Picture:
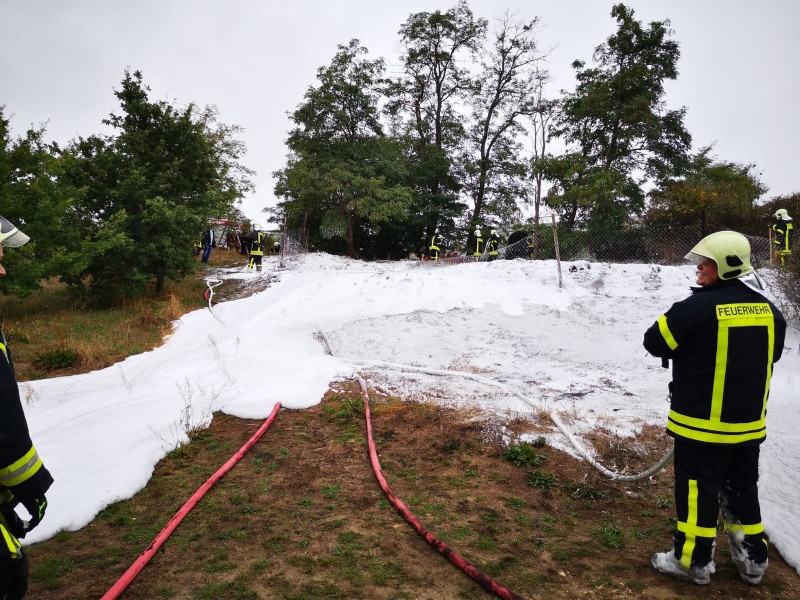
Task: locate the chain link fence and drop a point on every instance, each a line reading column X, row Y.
column 638, row 247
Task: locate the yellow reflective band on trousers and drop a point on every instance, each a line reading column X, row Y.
column 745, row 529
column 713, row 429
column 690, row 528
column 11, row 543
column 21, row 470
column 666, row 333
column 3, row 348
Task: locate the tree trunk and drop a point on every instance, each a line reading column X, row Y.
column 159, row 283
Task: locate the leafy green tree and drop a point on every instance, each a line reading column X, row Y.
column 342, row 171
column 146, row 192
column 618, row 131
column 505, row 96
column 423, row 105
column 31, row 198
column 712, row 194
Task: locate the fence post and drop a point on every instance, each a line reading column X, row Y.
column 769, row 237
column 283, row 243
column 555, row 242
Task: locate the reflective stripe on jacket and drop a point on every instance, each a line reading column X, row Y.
column 783, row 235
column 723, row 341
column 9, row 545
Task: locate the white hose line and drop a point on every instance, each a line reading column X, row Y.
column 558, row 423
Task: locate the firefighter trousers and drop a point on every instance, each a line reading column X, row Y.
column 708, row 478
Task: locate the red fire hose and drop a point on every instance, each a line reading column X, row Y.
column 129, row 575
column 487, row 582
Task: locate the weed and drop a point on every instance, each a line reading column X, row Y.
column 612, row 535
column 663, row 502
column 588, row 490
column 331, row 492
column 524, row 455
column 54, row 360
column 541, row 479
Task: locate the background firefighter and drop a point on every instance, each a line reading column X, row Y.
column 782, row 231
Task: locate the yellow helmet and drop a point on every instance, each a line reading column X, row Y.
column 729, row 249
column 781, row 213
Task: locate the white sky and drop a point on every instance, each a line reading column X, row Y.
column 254, row 60
column 575, row 350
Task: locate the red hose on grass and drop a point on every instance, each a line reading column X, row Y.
column 139, row 564
column 487, row 582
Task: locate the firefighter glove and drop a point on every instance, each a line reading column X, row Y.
column 36, row 508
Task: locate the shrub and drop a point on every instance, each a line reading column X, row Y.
column 56, row 359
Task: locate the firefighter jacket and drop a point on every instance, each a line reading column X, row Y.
column 478, row 246
column 22, row 472
column 783, row 235
column 723, row 341
column 493, row 245
column 257, row 247
column 436, row 242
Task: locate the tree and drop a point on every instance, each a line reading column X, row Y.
column 541, row 122
column 619, row 133
column 505, row 93
column 423, row 106
column 342, row 170
column 31, row 198
column 712, row 193
column 146, row 193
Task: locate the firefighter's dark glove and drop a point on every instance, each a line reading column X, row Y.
column 36, row 508
column 11, row 521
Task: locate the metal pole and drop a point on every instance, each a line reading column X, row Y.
column 771, row 247
column 558, row 254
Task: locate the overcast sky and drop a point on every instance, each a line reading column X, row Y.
column 254, row 59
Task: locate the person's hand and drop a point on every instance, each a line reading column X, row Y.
column 11, row 521
column 36, row 507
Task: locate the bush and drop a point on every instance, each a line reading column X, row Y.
column 56, row 359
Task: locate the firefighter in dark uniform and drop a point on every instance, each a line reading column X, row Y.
column 783, row 235
column 493, row 245
column 23, row 477
column 478, row 245
column 723, row 341
column 436, row 246
column 256, row 249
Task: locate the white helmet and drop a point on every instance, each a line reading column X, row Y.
column 477, row 232
column 782, row 213
column 494, row 232
column 729, row 249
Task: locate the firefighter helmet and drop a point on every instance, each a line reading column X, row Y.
column 729, row 249
column 494, row 232
column 781, row 213
column 10, row 236
column 477, row 232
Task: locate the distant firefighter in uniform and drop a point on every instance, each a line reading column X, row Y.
column 436, row 246
column 478, row 244
column 783, row 235
column 256, row 249
column 493, row 245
